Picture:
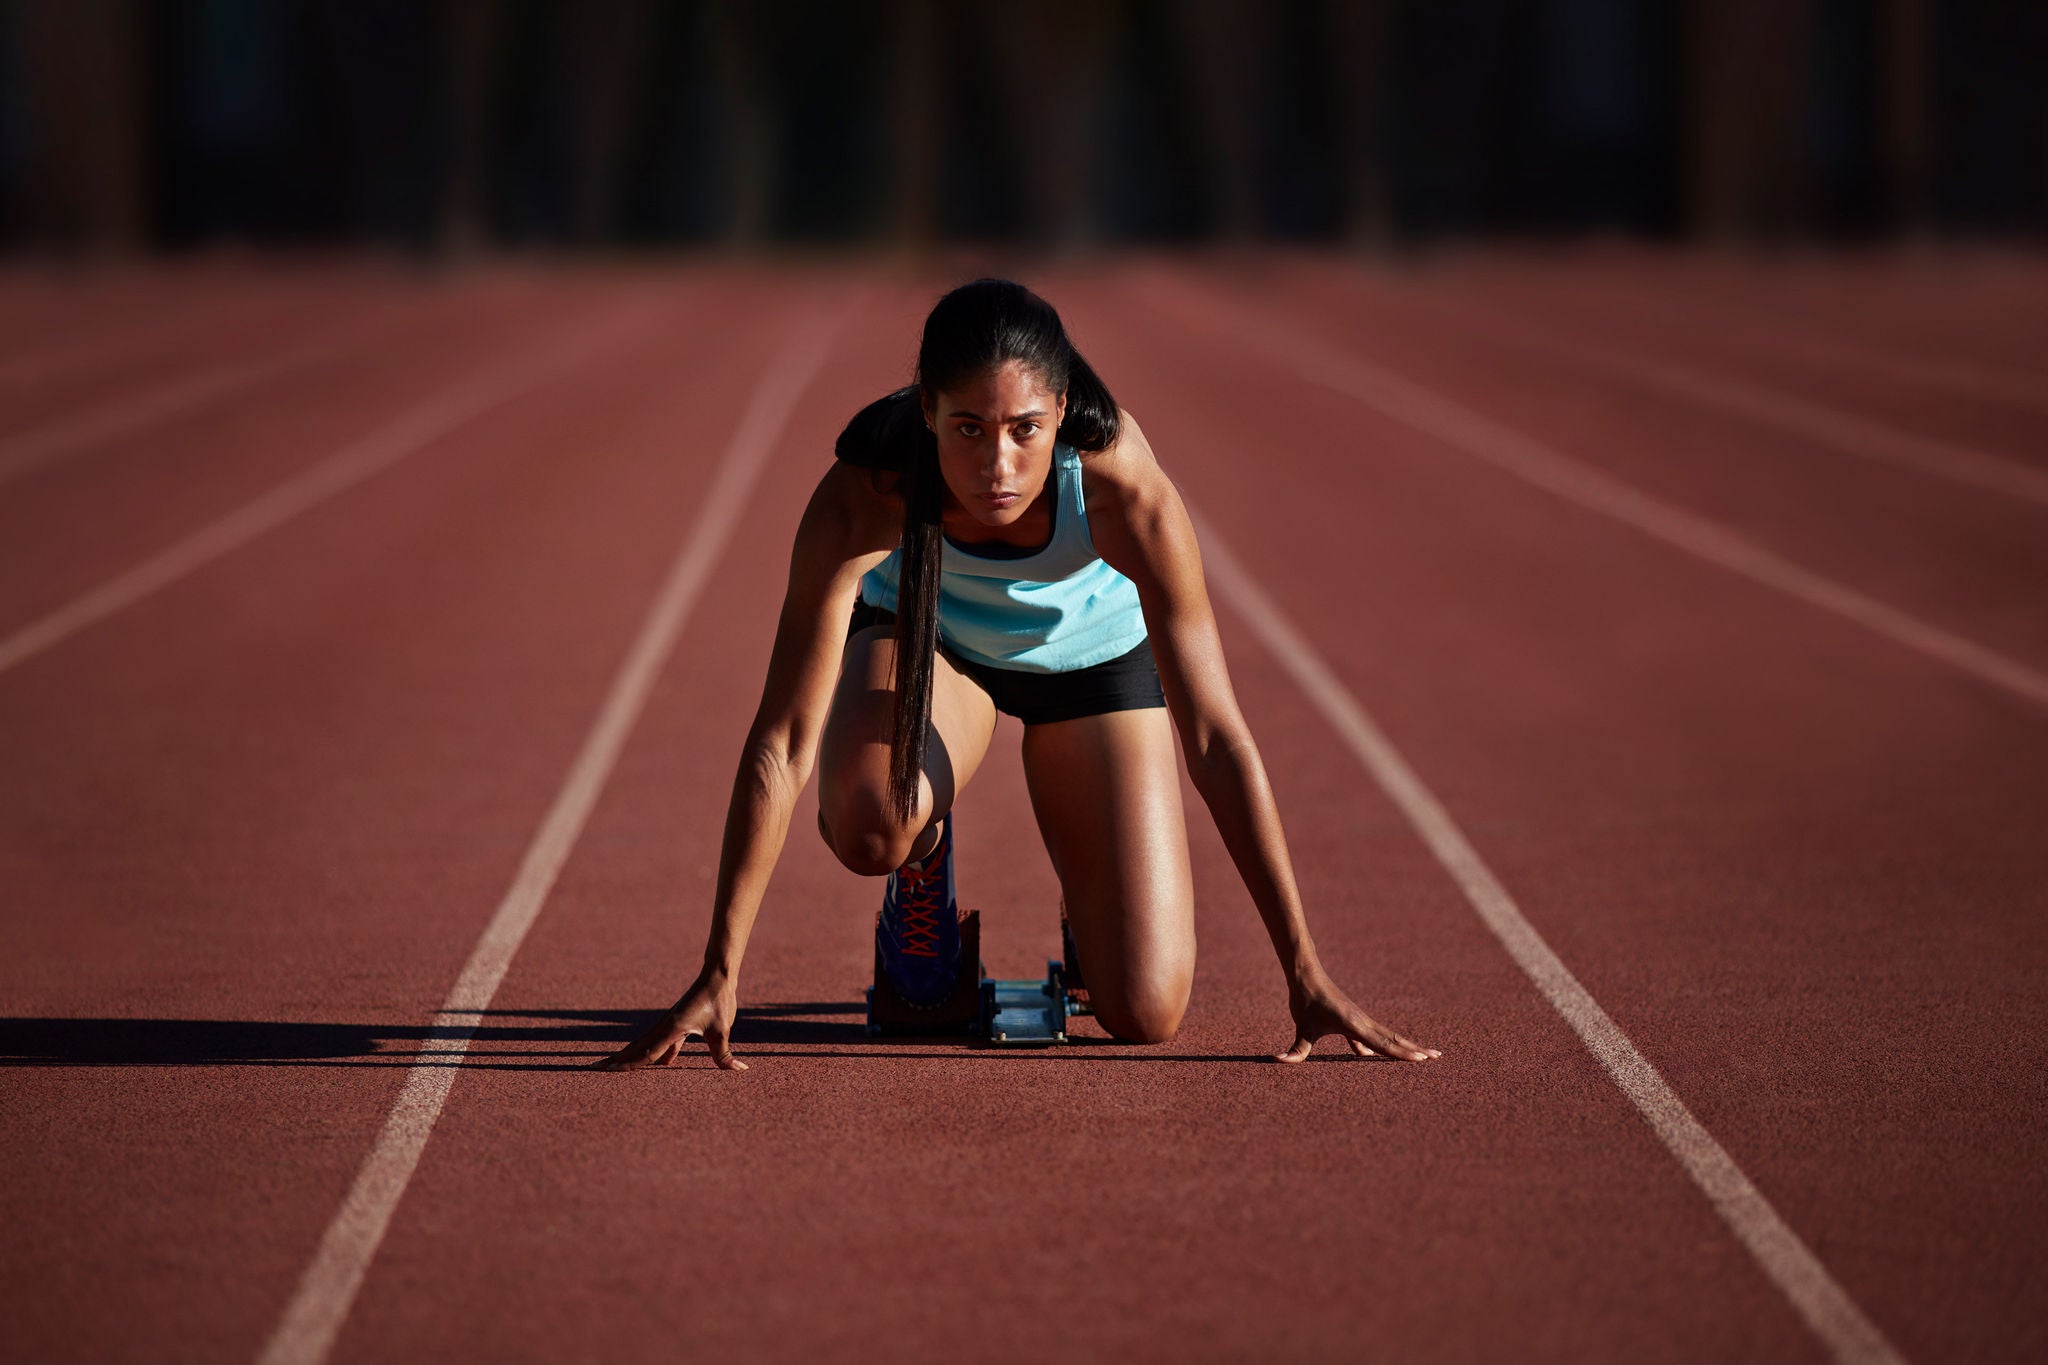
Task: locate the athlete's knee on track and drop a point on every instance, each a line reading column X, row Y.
column 865, row 841
column 873, row 855
column 1148, row 1012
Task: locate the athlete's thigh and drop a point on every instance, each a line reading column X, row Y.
column 853, row 755
column 1106, row 790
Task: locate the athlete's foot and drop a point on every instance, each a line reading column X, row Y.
column 918, row 932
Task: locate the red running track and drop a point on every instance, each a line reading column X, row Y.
column 256, row 820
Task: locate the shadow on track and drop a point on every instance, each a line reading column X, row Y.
column 783, row 1030
column 257, row 1042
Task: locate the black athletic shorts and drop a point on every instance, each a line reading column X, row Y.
column 1129, row 682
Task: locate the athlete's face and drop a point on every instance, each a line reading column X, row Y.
column 995, row 437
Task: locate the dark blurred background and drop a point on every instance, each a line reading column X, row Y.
column 454, row 125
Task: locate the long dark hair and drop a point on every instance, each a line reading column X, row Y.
column 970, row 331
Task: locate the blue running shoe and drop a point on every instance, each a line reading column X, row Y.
column 918, row 932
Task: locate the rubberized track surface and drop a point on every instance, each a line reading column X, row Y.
column 1556, row 526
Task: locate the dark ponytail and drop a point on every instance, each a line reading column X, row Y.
column 970, row 331
column 1091, row 421
column 917, row 622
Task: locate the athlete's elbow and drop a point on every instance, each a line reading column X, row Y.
column 1219, row 759
column 770, row 772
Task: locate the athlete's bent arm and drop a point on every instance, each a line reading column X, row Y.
column 1141, row 528
column 835, row 543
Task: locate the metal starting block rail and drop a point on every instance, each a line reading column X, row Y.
column 1026, row 1013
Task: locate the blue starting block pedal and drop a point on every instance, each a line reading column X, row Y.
column 1003, row 1013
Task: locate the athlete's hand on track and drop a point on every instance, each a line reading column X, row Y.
column 706, row 1011
column 1320, row 1009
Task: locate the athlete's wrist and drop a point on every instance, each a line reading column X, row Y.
column 1305, row 973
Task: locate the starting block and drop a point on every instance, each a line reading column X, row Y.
column 1025, row 1013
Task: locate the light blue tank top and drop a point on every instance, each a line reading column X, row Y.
column 1060, row 609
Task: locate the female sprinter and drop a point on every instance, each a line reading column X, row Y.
column 1002, row 540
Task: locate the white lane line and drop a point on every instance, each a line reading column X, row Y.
column 328, row 1288
column 102, row 422
column 409, row 432
column 1429, row 412
column 126, row 337
column 1798, row 1274
column 1983, row 382
column 1820, row 423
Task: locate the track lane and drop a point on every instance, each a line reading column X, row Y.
column 48, row 307
column 1689, row 786
column 414, row 428
column 1999, row 406
column 68, row 528
column 284, row 798
column 51, row 395
column 1964, row 560
column 1961, row 307
column 1833, row 1317
column 1548, row 317
column 327, row 1291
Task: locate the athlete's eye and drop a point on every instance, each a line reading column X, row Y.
column 969, row 429
column 1026, row 428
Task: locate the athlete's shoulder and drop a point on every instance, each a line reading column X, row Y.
column 875, row 447
column 851, row 509
column 1124, row 475
column 1133, row 506
column 881, row 435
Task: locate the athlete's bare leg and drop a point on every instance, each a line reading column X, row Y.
column 853, row 755
column 1106, row 790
